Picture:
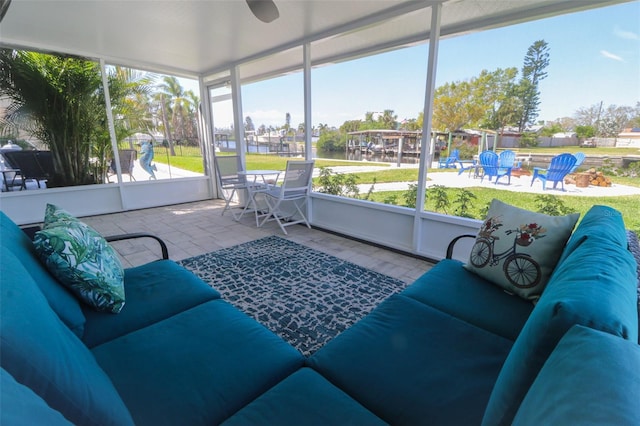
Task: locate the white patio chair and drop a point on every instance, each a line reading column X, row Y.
column 230, row 182
column 285, row 202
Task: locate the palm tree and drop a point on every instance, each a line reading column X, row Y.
column 174, row 103
column 193, row 117
column 60, row 100
column 57, row 99
column 389, row 119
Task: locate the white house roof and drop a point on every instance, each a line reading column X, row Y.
column 203, row 37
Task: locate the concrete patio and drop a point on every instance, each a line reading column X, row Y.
column 196, row 228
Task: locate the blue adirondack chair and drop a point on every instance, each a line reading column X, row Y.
column 560, row 166
column 490, row 163
column 451, row 161
column 507, row 159
column 579, row 160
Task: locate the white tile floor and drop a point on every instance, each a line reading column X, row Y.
column 197, row 228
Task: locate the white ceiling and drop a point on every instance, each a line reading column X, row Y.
column 201, row 37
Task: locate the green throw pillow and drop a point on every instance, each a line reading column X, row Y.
column 82, row 260
column 518, row 249
column 55, row 216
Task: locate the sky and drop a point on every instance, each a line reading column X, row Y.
column 594, row 57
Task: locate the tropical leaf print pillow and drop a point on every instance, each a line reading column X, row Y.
column 82, row 260
column 55, row 216
column 518, row 249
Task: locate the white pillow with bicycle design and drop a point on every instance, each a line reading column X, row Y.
column 518, row 249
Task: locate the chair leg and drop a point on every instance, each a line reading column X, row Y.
column 249, row 203
column 275, row 214
column 228, row 202
column 301, row 213
column 270, row 209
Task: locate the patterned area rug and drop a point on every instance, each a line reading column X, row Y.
column 305, row 296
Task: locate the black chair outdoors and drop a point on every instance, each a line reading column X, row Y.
column 33, row 165
column 128, row 159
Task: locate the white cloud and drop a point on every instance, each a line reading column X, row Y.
column 627, row 35
column 611, row 56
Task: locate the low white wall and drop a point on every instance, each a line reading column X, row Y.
column 392, row 226
column 437, row 230
column 26, row 207
column 140, row 195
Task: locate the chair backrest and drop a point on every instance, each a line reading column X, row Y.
column 560, row 166
column 488, row 159
column 297, row 178
column 507, row 159
column 579, row 160
column 227, row 168
column 127, row 159
column 32, row 164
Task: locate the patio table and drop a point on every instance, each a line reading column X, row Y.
column 263, row 180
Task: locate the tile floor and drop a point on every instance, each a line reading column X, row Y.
column 196, row 228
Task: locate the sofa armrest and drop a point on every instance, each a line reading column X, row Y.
column 163, row 246
column 453, row 243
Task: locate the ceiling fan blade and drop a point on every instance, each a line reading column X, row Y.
column 4, row 5
column 264, row 10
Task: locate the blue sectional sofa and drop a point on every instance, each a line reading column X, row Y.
column 451, row 348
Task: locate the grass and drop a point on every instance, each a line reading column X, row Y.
column 253, row 161
column 272, row 162
column 629, row 206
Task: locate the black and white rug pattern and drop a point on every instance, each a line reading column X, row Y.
column 305, row 296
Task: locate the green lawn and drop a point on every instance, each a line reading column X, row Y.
column 272, row 162
column 254, row 161
column 628, row 205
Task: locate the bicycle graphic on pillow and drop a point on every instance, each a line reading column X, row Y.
column 519, row 268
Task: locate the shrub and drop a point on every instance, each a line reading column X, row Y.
column 464, row 199
column 331, row 140
column 552, row 205
column 467, row 150
column 337, row 183
column 438, row 194
column 528, row 140
column 411, row 195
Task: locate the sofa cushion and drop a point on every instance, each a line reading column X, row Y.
column 155, row 291
column 595, row 287
column 603, row 221
column 634, row 248
column 412, row 364
column 304, row 398
column 590, row 378
column 452, row 289
column 20, row 406
column 39, row 351
column 518, row 249
column 81, row 259
column 198, row 367
column 65, row 304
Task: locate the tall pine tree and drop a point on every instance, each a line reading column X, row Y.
column 533, row 71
